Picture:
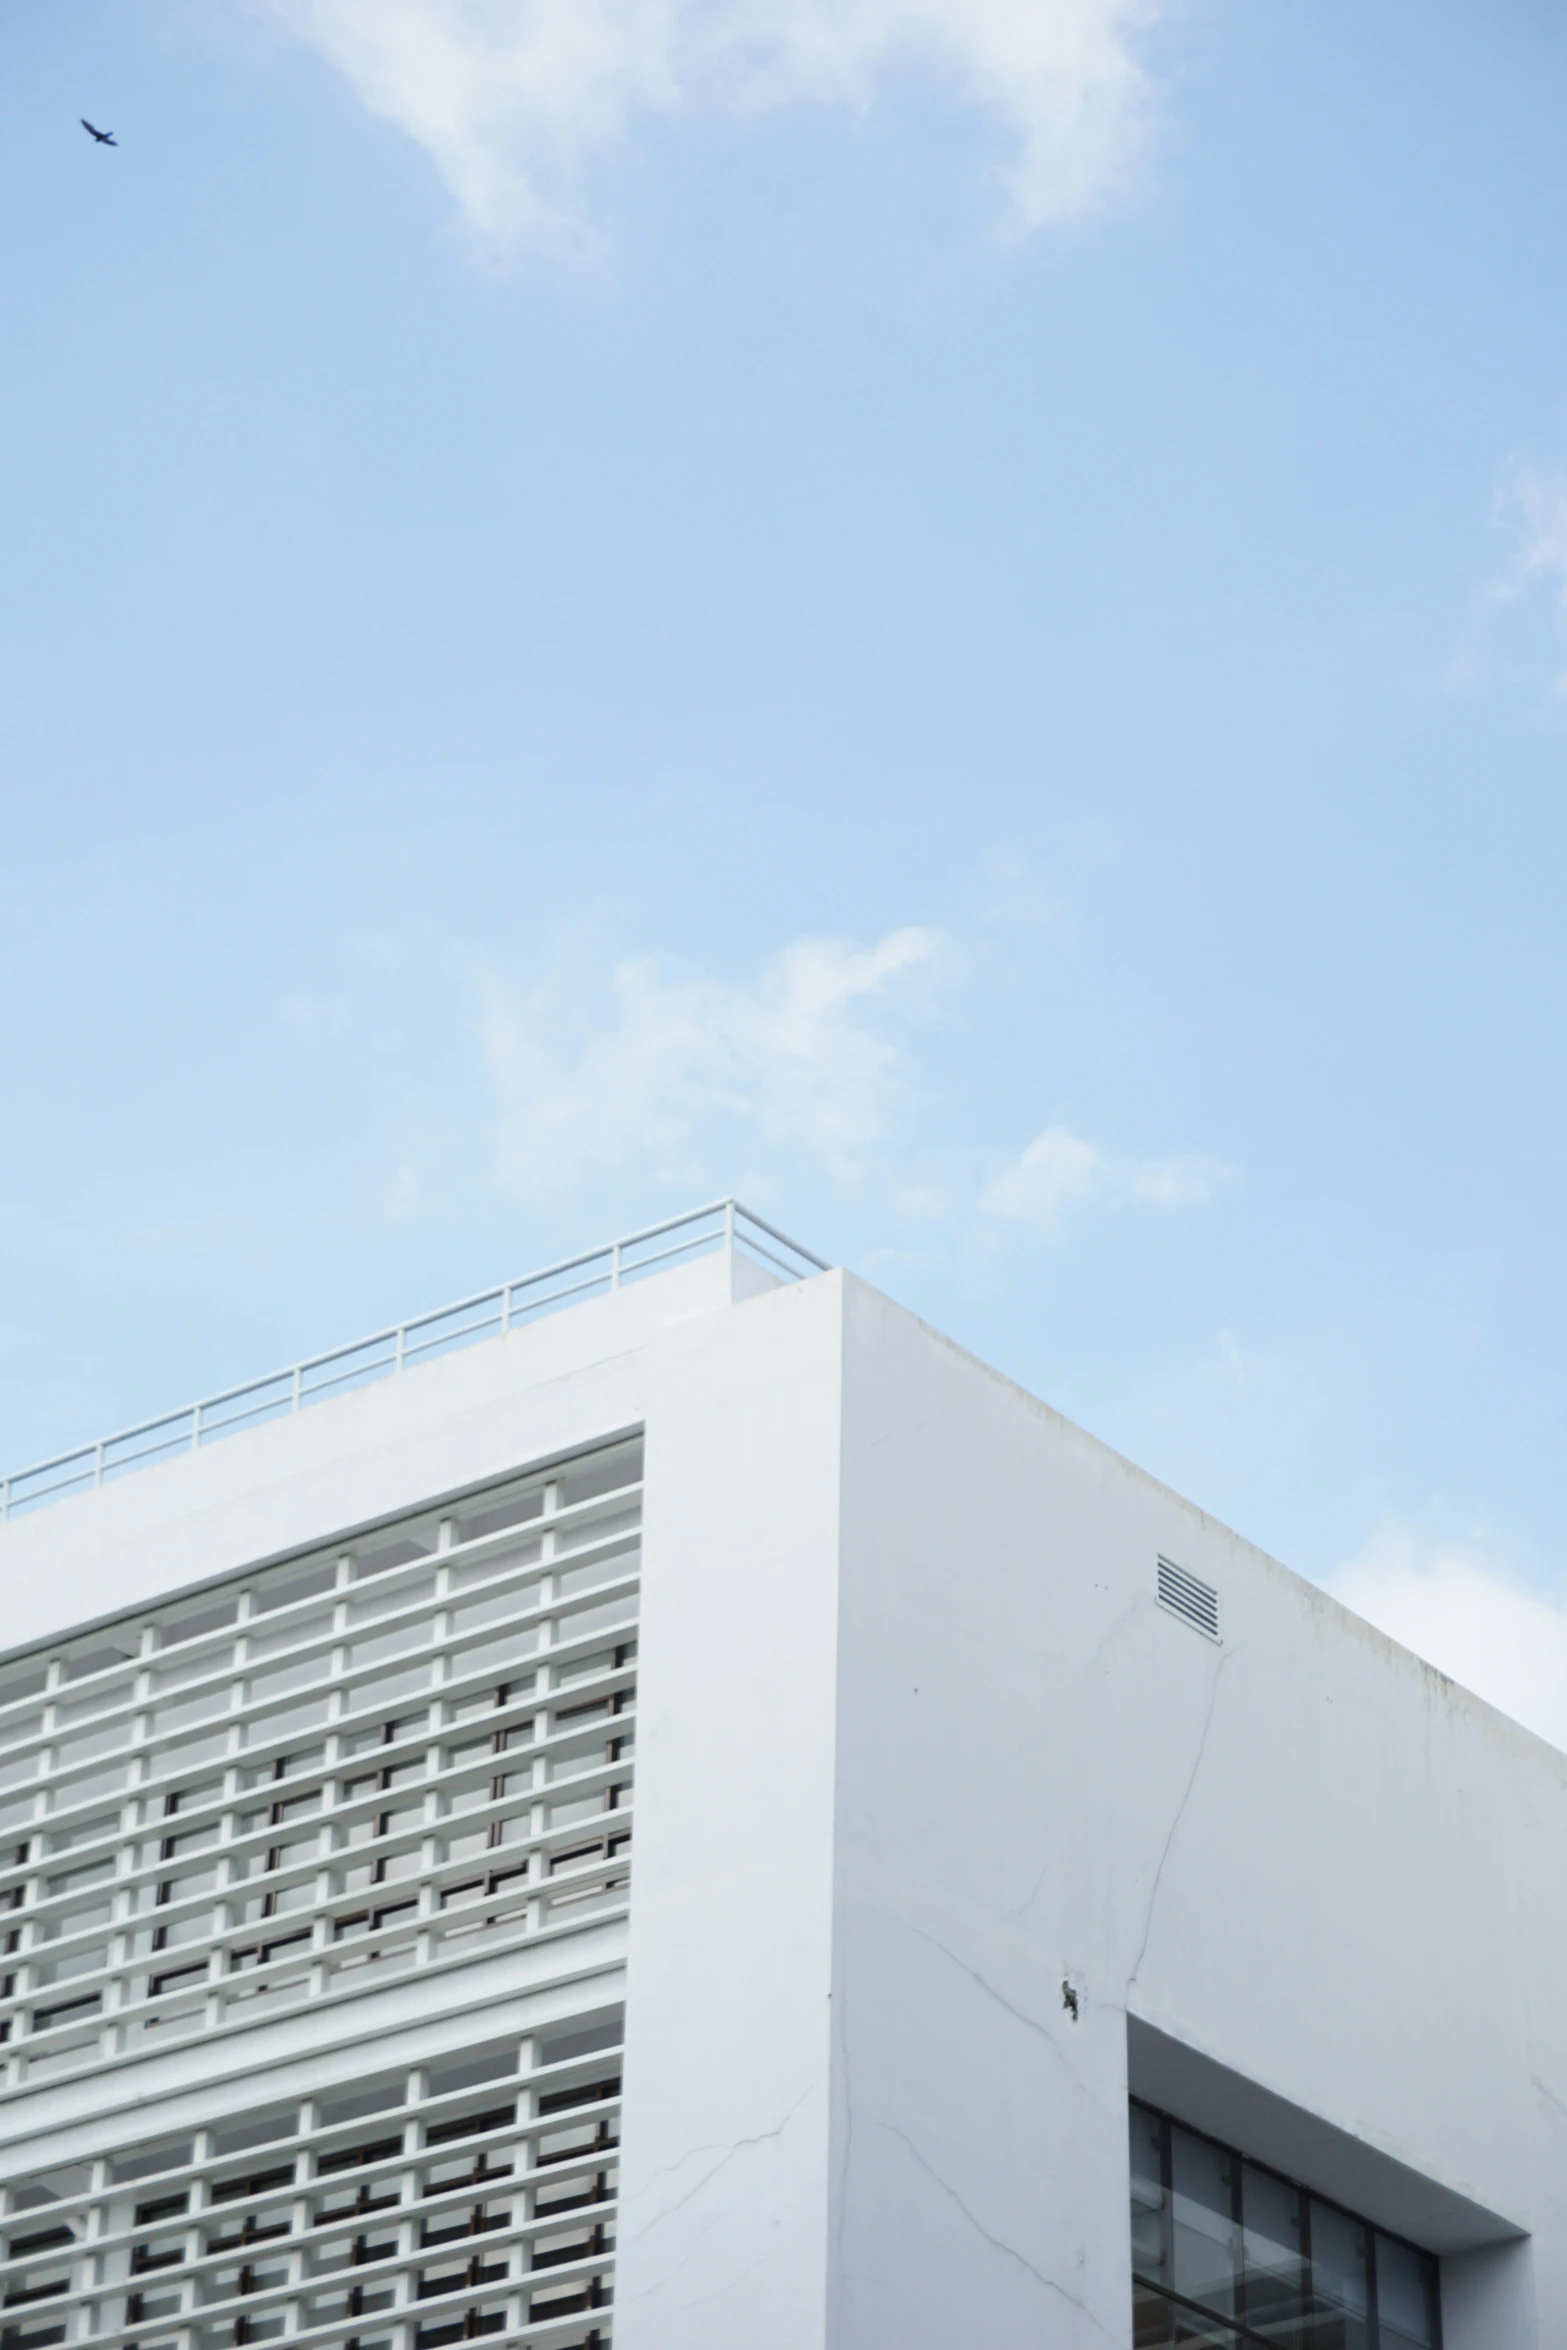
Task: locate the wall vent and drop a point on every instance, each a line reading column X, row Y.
column 1195, row 1602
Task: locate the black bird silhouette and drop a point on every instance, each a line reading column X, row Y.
column 104, row 138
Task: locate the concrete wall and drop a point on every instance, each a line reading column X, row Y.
column 1306, row 1859
column 723, row 2236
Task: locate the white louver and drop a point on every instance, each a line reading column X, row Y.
column 347, row 1799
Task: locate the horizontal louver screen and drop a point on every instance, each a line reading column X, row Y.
column 397, row 1757
column 1186, row 1596
column 401, row 2210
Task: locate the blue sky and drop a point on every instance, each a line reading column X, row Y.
column 951, row 614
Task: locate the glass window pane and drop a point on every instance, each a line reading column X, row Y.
column 1275, row 2268
column 1202, row 2333
column 1340, row 2292
column 1226, row 2255
column 1149, row 2225
column 1406, row 2280
column 1206, row 2239
column 1150, row 2319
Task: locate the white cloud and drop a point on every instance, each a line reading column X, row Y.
column 1532, row 507
column 1059, row 1171
column 514, row 100
column 1506, row 1644
column 1181, row 1183
column 663, row 1064
column 1531, row 510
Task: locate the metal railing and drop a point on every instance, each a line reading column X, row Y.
column 489, row 1314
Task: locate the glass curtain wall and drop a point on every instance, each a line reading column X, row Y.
column 1229, row 2256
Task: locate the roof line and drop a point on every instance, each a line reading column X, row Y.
column 488, row 1313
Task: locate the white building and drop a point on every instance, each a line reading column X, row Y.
column 1031, row 1882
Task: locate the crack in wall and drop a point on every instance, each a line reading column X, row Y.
column 997, row 2243
column 1180, row 1814
column 1123, row 1623
column 1549, row 2094
column 726, row 2152
column 1030, row 2023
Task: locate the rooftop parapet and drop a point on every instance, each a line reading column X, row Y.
column 490, row 1313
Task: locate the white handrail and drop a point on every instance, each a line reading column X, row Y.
column 723, row 1224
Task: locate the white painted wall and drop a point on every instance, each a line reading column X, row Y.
column 723, row 2234
column 1300, row 1854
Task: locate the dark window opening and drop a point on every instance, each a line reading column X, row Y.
column 602, row 2141
column 251, row 2233
column 177, row 1977
column 432, row 2283
column 49, row 2019
column 1228, row 2253
column 499, row 2117
column 163, row 2207
column 263, row 1953
column 592, row 2295
column 261, row 2182
column 584, row 2247
column 352, row 2157
column 593, row 2093
column 45, row 2240
column 578, row 2199
column 468, row 2328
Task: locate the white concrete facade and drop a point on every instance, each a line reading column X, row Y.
column 948, row 1836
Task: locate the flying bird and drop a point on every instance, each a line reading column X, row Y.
column 104, row 138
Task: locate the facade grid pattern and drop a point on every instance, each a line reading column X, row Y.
column 372, row 1764
column 284, row 1790
column 469, row 2197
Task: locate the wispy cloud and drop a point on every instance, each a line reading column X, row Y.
column 1060, row 1171
column 1187, row 1182
column 516, row 100
column 1530, row 511
column 663, row 1065
column 1531, row 506
column 579, row 1070
column 1473, row 1622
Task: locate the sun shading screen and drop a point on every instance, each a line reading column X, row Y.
column 474, row 2195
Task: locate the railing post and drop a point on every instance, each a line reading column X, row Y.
column 729, row 1226
column 97, row 1462
column 401, row 1332
column 195, row 1427
column 614, row 1266
column 299, row 1380
column 505, row 1309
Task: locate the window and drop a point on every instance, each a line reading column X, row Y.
column 1229, row 2256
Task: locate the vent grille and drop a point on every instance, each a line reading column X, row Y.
column 1186, row 1596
